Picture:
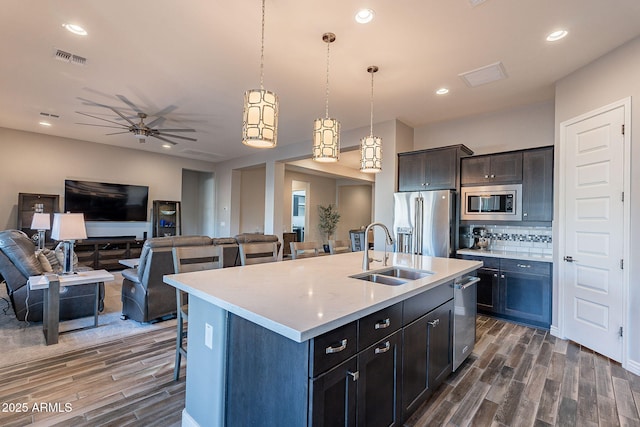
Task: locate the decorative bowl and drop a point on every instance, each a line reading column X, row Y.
column 167, row 212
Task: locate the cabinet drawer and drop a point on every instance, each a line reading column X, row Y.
column 378, row 325
column 423, row 303
column 532, row 267
column 333, row 347
column 488, row 262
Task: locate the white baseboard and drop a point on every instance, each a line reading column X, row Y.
column 555, row 332
column 633, row 367
column 187, row 420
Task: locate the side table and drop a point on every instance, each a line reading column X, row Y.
column 51, row 304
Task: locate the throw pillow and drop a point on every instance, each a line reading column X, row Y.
column 59, row 251
column 44, row 262
column 51, row 258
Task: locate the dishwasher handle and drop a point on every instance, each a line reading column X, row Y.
column 466, row 282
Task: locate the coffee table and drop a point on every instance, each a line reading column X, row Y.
column 51, row 304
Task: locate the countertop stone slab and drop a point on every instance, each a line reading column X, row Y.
column 301, row 299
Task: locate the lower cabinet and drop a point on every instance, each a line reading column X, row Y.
column 371, row 372
column 427, row 356
column 515, row 290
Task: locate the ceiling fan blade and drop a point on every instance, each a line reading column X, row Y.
column 93, row 103
column 156, row 121
column 164, row 139
column 102, row 126
column 175, row 136
column 100, row 118
column 174, row 130
column 116, row 133
column 133, row 106
column 123, row 116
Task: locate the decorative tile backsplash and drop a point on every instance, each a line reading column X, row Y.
column 533, row 240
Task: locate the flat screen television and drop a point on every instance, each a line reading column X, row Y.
column 101, row 201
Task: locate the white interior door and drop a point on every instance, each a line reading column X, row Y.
column 592, row 279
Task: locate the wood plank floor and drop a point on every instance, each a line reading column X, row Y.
column 517, row 376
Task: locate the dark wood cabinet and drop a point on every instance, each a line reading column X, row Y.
column 537, row 185
column 333, row 396
column 435, row 169
column 515, row 289
column 500, row 168
column 106, row 252
column 166, row 218
column 27, row 203
column 378, row 397
column 427, row 356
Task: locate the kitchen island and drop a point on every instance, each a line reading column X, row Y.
column 281, row 343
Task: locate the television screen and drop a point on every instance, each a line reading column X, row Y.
column 100, row 201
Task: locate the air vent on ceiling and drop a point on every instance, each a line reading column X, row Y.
column 50, row 115
column 475, row 3
column 201, row 154
column 63, row 56
column 483, row 75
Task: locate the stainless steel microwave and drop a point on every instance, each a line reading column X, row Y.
column 492, row 203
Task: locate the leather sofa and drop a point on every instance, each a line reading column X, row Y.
column 145, row 296
column 18, row 261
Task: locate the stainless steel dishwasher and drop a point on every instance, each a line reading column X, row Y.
column 464, row 317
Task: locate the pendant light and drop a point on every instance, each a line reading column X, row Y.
column 371, row 146
column 260, row 114
column 326, row 132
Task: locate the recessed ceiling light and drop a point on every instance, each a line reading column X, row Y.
column 557, row 35
column 167, row 146
column 364, row 16
column 47, row 124
column 75, row 29
column 442, row 91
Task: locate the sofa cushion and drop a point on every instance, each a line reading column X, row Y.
column 255, row 237
column 224, row 241
column 168, row 243
column 19, row 248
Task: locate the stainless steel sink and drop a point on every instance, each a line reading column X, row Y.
column 392, row 276
column 379, row 278
column 404, row 273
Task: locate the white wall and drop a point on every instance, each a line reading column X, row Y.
column 252, row 198
column 611, row 78
column 514, row 129
column 355, row 205
column 38, row 163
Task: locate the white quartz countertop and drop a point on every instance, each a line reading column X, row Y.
column 304, row 298
column 506, row 254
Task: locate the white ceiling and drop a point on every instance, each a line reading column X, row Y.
column 194, row 59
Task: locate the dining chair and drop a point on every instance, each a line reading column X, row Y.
column 187, row 259
column 303, row 249
column 258, row 252
column 339, row 246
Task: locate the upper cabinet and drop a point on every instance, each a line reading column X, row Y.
column 436, row 169
column 537, row 185
column 492, row 169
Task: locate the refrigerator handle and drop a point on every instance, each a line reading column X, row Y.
column 418, row 221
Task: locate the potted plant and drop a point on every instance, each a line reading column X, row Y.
column 328, row 222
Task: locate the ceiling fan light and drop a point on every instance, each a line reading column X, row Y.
column 260, row 118
column 75, row 29
column 326, row 140
column 371, row 154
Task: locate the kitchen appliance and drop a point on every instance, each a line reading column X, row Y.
column 423, row 222
column 481, row 238
column 492, row 203
column 464, row 317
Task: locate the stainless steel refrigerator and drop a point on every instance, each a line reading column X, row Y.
column 424, row 221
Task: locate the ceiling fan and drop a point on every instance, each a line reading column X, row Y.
column 140, row 130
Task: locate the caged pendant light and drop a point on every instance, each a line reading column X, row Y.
column 260, row 114
column 371, row 146
column 326, row 132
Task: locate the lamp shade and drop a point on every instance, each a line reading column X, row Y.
column 326, row 140
column 371, row 154
column 41, row 221
column 260, row 119
column 68, row 226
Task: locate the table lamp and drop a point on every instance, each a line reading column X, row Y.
column 68, row 227
column 41, row 222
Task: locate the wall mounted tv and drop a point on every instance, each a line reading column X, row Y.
column 101, row 201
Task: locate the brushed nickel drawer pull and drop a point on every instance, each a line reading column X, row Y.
column 342, row 346
column 383, row 324
column 524, row 265
column 384, row 349
column 354, row 375
column 434, row 323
